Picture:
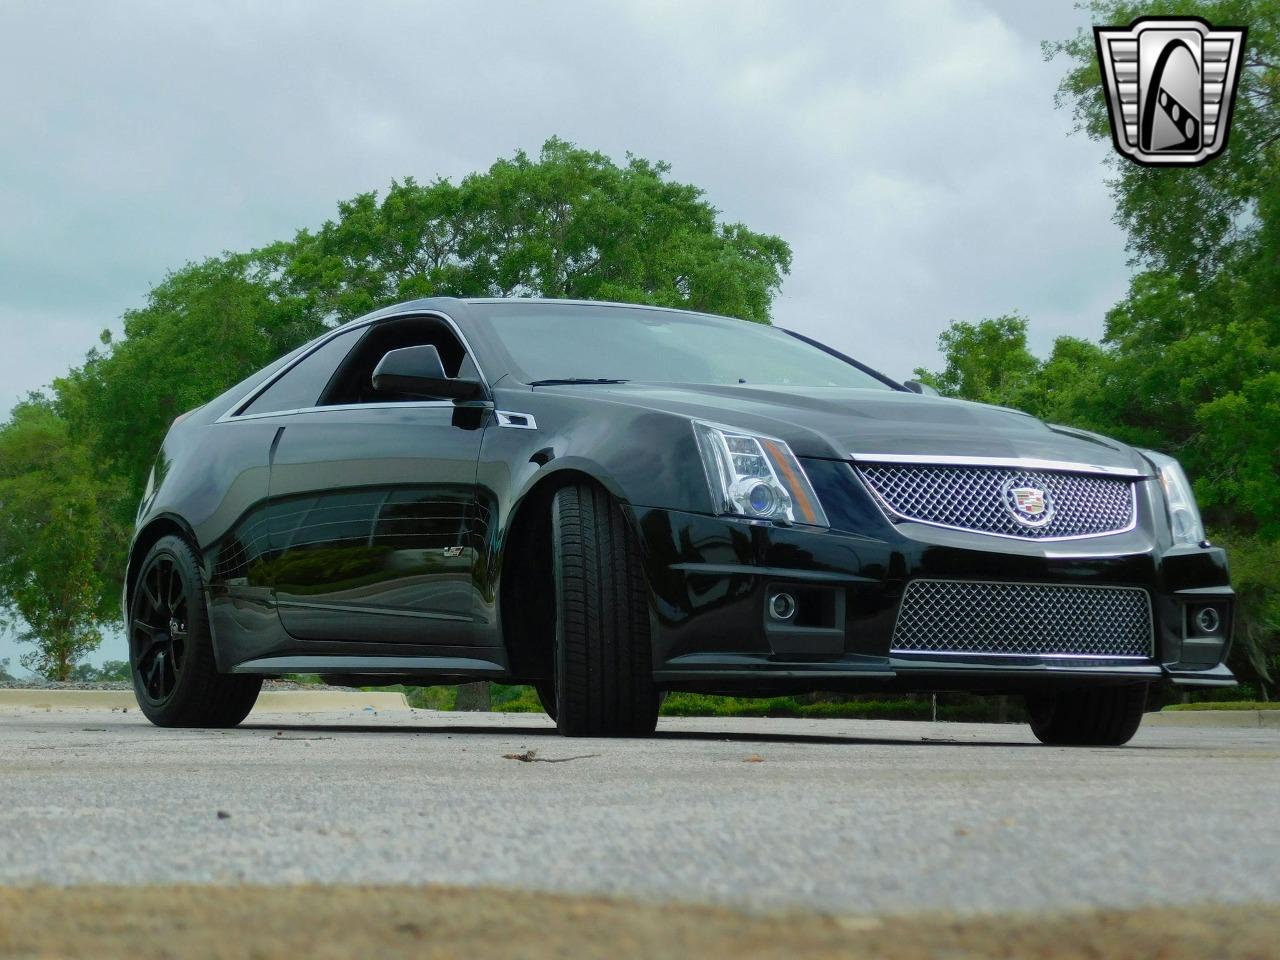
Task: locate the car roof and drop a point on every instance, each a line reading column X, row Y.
column 443, row 304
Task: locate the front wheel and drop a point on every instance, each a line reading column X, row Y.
column 1101, row 717
column 603, row 684
column 171, row 650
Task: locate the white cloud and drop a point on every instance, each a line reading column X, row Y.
column 910, row 154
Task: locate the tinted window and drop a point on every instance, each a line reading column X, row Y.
column 354, row 382
column 550, row 341
column 301, row 386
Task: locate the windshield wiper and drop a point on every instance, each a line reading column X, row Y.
column 564, row 380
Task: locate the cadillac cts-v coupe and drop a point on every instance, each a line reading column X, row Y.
column 610, row 502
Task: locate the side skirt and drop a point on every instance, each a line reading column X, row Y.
column 440, row 669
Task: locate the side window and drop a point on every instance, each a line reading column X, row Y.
column 353, row 383
column 302, row 385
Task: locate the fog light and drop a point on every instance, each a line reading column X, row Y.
column 782, row 606
column 1207, row 620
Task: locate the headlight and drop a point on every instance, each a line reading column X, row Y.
column 1184, row 515
column 756, row 476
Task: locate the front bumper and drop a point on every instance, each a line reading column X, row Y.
column 711, row 578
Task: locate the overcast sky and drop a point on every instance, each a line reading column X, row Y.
column 909, row 152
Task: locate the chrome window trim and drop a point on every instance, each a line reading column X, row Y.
column 1028, row 463
column 894, row 517
column 233, row 412
column 1151, row 623
column 406, row 405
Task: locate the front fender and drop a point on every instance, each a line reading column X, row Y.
column 642, row 457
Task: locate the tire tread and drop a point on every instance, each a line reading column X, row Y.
column 1102, row 717
column 603, row 661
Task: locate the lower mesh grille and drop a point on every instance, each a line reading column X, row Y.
column 1023, row 619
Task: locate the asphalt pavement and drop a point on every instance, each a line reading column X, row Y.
column 845, row 816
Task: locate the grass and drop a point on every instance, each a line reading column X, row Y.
column 507, row 698
column 904, row 708
column 1227, row 705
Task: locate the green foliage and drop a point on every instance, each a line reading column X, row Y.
column 1228, row 705
column 429, row 698
column 503, row 698
column 987, row 361
column 506, row 698
column 569, row 224
column 54, row 534
column 959, row 707
column 5, row 675
column 1255, row 576
column 111, row 671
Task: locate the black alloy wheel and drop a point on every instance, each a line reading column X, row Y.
column 158, row 632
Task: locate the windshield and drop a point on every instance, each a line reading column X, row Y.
column 560, row 342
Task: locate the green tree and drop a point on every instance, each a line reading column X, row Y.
column 986, row 361
column 5, row 675
column 570, row 223
column 53, row 530
column 110, row 671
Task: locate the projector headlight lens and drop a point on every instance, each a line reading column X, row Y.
column 756, row 476
column 1184, row 515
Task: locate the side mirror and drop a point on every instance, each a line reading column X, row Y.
column 915, row 386
column 418, row 372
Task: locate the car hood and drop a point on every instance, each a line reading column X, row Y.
column 840, row 422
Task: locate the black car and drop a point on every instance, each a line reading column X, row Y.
column 610, row 502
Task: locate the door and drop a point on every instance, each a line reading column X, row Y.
column 375, row 535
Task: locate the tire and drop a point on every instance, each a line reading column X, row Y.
column 546, row 691
column 603, row 675
column 171, row 649
column 1101, row 717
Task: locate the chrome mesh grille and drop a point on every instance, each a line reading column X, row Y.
column 1023, row 619
column 975, row 498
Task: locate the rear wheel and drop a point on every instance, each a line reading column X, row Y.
column 170, row 648
column 603, row 682
column 1101, row 717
